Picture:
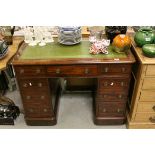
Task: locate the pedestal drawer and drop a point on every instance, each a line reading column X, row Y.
column 39, row 111
column 113, row 84
column 71, row 71
column 33, row 85
column 111, row 109
column 113, row 96
column 36, row 98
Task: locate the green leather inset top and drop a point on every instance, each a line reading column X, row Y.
column 56, row 51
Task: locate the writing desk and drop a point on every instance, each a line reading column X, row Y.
column 38, row 70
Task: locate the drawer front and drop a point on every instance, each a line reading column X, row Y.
column 39, row 111
column 36, row 98
column 115, row 68
column 72, row 70
column 115, row 96
column 149, row 83
column 150, row 71
column 112, row 83
column 147, row 96
column 145, row 117
column 27, row 71
column 146, row 107
column 111, row 109
column 33, row 85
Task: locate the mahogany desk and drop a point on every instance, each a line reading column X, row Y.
column 38, row 70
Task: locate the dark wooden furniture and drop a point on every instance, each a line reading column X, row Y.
column 38, row 78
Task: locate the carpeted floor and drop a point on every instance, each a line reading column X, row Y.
column 75, row 112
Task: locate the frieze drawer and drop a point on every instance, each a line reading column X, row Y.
column 74, row 70
column 28, row 71
column 113, row 68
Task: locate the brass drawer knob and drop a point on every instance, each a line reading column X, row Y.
column 28, row 97
column 123, row 69
column 40, row 84
column 86, row 71
column 25, row 85
column 38, row 71
column 31, row 110
column 57, row 71
column 152, row 119
column 104, row 110
column 45, row 110
column 122, row 84
column 42, row 97
column 106, row 69
column 119, row 110
column 21, row 71
column 104, row 96
column 120, row 96
column 105, row 83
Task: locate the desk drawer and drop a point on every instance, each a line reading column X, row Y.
column 150, row 71
column 111, row 109
column 113, row 83
column 33, row 85
column 34, row 71
column 147, row 96
column 115, row 68
column 111, row 96
column 38, row 111
column 146, row 107
column 149, row 83
column 72, row 70
column 36, row 98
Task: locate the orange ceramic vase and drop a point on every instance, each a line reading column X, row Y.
column 121, row 43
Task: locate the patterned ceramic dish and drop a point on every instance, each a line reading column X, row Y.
column 69, row 35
